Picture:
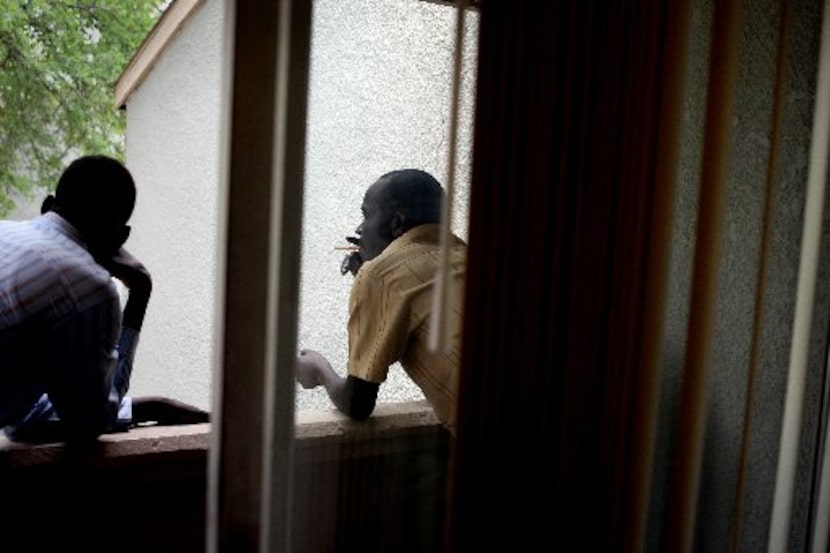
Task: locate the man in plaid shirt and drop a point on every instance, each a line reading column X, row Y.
column 66, row 347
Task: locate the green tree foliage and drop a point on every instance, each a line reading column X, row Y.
column 59, row 62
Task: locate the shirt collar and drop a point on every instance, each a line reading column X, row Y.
column 429, row 233
column 53, row 221
column 422, row 233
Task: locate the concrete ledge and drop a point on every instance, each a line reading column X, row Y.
column 135, row 443
column 314, row 429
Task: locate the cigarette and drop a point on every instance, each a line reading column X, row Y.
column 347, row 248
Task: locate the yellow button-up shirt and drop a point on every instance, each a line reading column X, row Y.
column 389, row 317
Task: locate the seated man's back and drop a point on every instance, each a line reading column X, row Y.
column 51, row 289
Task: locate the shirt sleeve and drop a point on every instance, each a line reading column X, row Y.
column 378, row 325
column 82, row 368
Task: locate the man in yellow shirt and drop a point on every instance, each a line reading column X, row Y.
column 391, row 300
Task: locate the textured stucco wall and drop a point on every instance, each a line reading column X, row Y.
column 379, row 100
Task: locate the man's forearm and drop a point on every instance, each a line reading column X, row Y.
column 352, row 396
column 134, row 311
column 131, row 322
column 132, row 273
column 335, row 387
column 127, row 344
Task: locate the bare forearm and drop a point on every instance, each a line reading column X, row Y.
column 352, row 396
column 130, row 271
column 135, row 309
column 335, row 387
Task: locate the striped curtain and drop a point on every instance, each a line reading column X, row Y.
column 582, row 119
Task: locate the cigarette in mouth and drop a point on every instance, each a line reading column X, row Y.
column 347, row 248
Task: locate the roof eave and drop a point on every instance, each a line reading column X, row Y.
column 163, row 32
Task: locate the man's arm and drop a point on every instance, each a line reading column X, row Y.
column 92, row 355
column 80, row 362
column 353, row 396
column 132, row 273
column 135, row 276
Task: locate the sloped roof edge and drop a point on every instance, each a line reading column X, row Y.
column 162, row 33
column 471, row 4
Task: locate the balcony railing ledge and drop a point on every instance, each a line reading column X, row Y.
column 315, row 429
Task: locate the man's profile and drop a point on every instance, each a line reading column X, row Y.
column 390, row 303
column 66, row 346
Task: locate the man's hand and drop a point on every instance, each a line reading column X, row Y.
column 352, row 396
column 129, row 270
column 310, row 368
column 352, row 262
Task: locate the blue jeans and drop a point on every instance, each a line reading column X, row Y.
column 43, row 415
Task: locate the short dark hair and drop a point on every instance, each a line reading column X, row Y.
column 415, row 193
column 96, row 187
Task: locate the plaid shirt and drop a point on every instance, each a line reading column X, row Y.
column 60, row 327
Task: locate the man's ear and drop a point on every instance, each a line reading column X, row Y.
column 123, row 234
column 48, row 204
column 398, row 224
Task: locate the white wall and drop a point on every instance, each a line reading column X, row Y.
column 172, row 147
column 380, row 88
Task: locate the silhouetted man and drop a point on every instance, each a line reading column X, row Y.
column 391, row 300
column 66, row 348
